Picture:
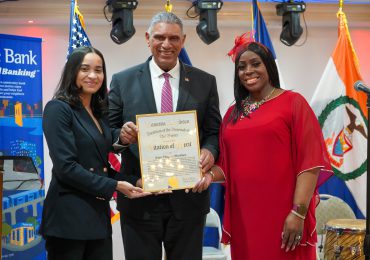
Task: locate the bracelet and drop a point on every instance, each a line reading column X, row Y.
column 212, row 174
column 297, row 214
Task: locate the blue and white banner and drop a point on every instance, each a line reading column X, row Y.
column 21, row 146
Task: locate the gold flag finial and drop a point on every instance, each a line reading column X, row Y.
column 168, row 6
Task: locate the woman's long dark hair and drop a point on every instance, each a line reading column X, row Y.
column 240, row 92
column 67, row 89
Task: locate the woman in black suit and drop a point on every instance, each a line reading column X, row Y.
column 76, row 215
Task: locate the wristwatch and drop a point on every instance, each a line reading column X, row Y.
column 300, row 209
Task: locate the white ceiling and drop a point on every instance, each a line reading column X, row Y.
column 57, row 12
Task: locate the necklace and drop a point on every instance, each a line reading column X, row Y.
column 249, row 106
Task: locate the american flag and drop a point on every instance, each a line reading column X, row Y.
column 77, row 34
column 78, row 38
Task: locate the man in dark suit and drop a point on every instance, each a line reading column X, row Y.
column 175, row 219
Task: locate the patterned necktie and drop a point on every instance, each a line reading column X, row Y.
column 166, row 104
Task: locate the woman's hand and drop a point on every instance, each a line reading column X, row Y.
column 293, row 226
column 139, row 183
column 292, row 232
column 130, row 190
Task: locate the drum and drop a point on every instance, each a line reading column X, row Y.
column 344, row 239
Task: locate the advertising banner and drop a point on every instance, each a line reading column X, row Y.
column 21, row 147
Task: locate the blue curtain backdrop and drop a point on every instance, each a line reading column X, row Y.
column 21, row 135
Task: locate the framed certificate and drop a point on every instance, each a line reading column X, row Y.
column 169, row 150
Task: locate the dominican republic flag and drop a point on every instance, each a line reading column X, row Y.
column 342, row 114
column 261, row 34
column 216, row 190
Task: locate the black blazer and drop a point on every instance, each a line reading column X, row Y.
column 77, row 202
column 132, row 94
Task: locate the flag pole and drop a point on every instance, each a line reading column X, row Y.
column 367, row 234
column 366, row 247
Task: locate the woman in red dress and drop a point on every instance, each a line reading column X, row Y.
column 271, row 154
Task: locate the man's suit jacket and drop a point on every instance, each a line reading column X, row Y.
column 77, row 202
column 132, row 94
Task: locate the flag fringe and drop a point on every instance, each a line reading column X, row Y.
column 80, row 16
column 343, row 24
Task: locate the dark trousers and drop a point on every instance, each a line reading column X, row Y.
column 143, row 238
column 70, row 249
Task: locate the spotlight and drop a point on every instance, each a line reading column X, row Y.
column 122, row 19
column 207, row 27
column 292, row 29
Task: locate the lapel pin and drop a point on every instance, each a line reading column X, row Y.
column 187, row 79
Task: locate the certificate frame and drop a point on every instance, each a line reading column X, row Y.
column 169, row 150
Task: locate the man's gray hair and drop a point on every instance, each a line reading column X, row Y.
column 165, row 17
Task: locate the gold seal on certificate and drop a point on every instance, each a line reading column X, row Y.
column 169, row 150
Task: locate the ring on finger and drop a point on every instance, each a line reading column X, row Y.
column 298, row 238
